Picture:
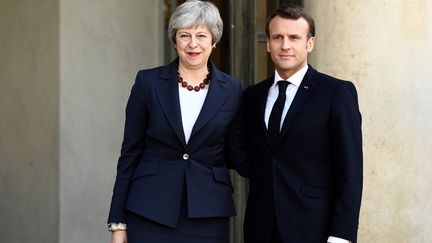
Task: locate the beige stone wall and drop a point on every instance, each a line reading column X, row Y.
column 29, row 96
column 103, row 44
column 66, row 69
column 384, row 47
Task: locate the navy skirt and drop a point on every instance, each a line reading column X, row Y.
column 189, row 230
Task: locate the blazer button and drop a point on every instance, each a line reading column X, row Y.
column 185, row 156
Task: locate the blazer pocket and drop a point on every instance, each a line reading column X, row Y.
column 315, row 192
column 145, row 169
column 221, row 175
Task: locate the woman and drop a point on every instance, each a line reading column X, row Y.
column 172, row 184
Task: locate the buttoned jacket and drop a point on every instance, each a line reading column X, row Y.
column 310, row 181
column 156, row 162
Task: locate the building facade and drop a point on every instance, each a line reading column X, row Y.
column 66, row 69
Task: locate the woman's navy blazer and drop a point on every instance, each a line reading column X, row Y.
column 156, row 163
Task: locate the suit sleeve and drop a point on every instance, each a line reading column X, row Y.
column 348, row 162
column 131, row 151
column 237, row 141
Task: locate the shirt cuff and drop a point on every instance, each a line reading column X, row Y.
column 116, row 227
column 333, row 239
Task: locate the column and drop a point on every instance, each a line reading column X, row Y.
column 384, row 48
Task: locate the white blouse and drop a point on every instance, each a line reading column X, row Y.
column 191, row 103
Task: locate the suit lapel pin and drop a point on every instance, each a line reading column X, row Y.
column 306, row 87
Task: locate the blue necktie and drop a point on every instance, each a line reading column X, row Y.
column 276, row 113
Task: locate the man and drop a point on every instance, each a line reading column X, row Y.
column 299, row 142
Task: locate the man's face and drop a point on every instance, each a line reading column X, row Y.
column 288, row 44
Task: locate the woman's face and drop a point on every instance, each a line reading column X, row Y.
column 194, row 46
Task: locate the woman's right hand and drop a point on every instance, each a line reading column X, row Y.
column 119, row 236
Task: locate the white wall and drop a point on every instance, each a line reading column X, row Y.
column 29, row 96
column 103, row 44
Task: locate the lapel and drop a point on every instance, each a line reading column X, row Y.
column 168, row 97
column 216, row 97
column 261, row 105
column 301, row 96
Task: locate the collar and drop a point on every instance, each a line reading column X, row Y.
column 295, row 79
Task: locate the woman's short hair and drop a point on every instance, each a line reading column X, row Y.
column 194, row 13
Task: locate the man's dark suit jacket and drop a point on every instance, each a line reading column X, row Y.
column 310, row 183
column 156, row 162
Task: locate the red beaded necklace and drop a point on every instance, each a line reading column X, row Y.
column 189, row 87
